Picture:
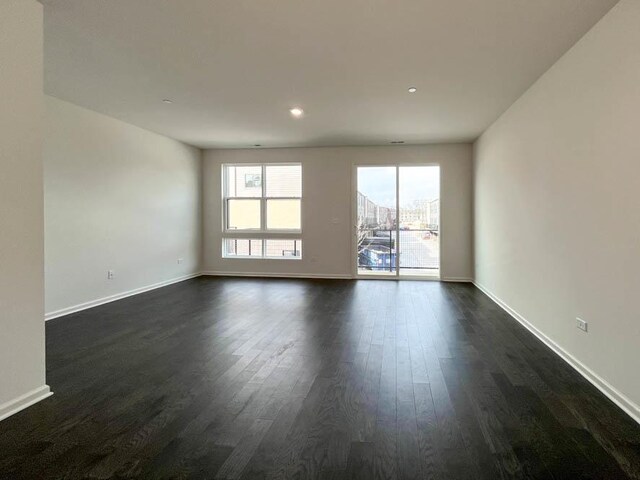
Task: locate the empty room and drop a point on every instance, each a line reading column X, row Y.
column 333, row 239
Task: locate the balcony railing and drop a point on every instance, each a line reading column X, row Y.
column 419, row 249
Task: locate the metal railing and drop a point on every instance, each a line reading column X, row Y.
column 419, row 249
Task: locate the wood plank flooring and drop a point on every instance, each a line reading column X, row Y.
column 219, row 378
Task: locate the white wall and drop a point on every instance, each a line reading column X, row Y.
column 117, row 197
column 557, row 204
column 327, row 195
column 22, row 348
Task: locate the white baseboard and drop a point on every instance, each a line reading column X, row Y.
column 457, row 279
column 23, row 401
column 336, row 276
column 118, row 296
column 617, row 397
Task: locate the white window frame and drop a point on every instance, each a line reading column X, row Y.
column 263, row 201
column 264, row 248
column 263, row 233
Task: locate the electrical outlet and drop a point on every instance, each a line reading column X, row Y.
column 110, row 274
column 180, row 260
column 581, row 324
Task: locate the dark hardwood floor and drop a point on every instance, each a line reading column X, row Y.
column 274, row 379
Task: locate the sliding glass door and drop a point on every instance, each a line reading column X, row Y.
column 376, row 226
column 398, row 221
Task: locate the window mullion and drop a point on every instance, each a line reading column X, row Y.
column 263, row 202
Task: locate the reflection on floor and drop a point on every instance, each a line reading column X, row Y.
column 312, row 379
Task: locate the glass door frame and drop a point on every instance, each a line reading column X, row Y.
column 354, row 222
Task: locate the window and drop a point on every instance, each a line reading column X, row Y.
column 263, row 197
column 260, row 201
column 275, row 248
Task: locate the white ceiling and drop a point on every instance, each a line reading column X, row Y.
column 233, row 68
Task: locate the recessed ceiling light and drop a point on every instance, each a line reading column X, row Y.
column 296, row 112
column 413, row 89
column 166, row 100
